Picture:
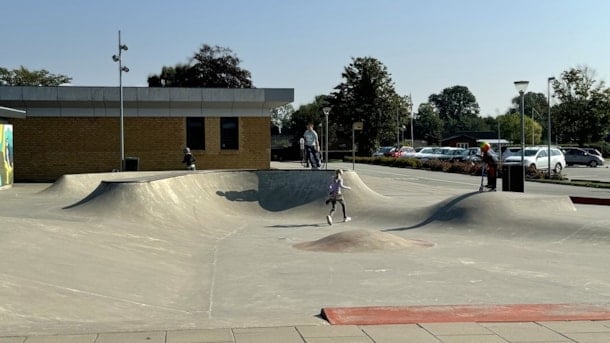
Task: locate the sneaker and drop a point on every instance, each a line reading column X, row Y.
column 347, row 219
column 492, row 189
column 329, row 220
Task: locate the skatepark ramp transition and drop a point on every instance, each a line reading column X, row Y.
column 224, row 198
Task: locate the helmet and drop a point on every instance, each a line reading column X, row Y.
column 485, row 146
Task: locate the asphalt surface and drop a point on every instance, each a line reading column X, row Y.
column 130, row 256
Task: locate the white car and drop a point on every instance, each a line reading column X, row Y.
column 537, row 157
column 428, row 153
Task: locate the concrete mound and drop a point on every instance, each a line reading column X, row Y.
column 361, row 241
column 189, row 199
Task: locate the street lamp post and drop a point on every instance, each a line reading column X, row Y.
column 118, row 58
column 521, row 86
column 549, row 80
column 411, row 104
column 326, row 111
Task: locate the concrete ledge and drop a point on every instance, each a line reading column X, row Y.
column 464, row 313
column 590, row 201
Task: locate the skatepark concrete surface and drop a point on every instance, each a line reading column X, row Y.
column 247, row 256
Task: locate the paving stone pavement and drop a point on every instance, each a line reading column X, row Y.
column 526, row 332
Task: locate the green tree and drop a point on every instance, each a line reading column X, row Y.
column 280, row 116
column 213, row 67
column 583, row 114
column 531, row 100
column 510, row 128
column 311, row 112
column 428, row 125
column 366, row 94
column 25, row 77
column 457, row 107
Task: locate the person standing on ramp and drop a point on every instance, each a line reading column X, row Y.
column 336, row 196
column 491, row 161
column 312, row 146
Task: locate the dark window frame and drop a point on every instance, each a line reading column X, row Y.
column 195, row 133
column 229, row 133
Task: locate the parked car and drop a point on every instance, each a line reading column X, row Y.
column 537, row 157
column 510, row 151
column 384, row 151
column 580, row 156
column 428, row 153
column 451, row 154
column 404, row 151
column 468, row 155
column 593, row 151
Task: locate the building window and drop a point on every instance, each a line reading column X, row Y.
column 229, row 133
column 195, row 133
column 462, row 145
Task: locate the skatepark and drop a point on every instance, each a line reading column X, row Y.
column 154, row 251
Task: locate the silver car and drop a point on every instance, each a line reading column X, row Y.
column 580, row 156
column 538, row 158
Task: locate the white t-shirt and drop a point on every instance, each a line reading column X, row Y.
column 311, row 137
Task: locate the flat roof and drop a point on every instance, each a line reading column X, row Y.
column 144, row 101
column 6, row 112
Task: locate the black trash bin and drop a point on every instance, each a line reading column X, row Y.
column 512, row 178
column 132, row 163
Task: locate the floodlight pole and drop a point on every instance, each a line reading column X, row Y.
column 119, row 58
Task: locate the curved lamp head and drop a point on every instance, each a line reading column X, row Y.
column 115, row 58
column 521, row 86
column 123, row 47
column 326, row 110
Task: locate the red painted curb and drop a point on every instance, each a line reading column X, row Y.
column 464, row 313
column 590, row 201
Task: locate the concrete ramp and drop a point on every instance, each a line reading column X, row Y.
column 142, row 251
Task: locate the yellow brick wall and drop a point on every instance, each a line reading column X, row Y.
column 47, row 147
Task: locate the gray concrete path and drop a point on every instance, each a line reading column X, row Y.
column 215, row 257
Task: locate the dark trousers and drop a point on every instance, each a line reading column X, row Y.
column 491, row 175
column 312, row 156
column 333, row 203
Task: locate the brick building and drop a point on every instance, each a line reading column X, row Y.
column 72, row 130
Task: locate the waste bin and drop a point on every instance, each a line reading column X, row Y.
column 132, row 163
column 512, row 178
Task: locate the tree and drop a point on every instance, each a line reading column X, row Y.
column 213, row 67
column 428, row 124
column 25, row 77
column 510, row 128
column 536, row 101
column 457, row 108
column 583, row 114
column 280, row 116
column 311, row 112
column 367, row 94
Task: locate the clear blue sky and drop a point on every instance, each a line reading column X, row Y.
column 427, row 45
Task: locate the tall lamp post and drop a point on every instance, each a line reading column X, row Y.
column 548, row 83
column 326, row 111
column 118, row 58
column 521, row 86
column 411, row 105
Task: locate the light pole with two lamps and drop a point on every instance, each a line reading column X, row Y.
column 548, row 84
column 326, row 111
column 118, row 58
column 521, row 87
